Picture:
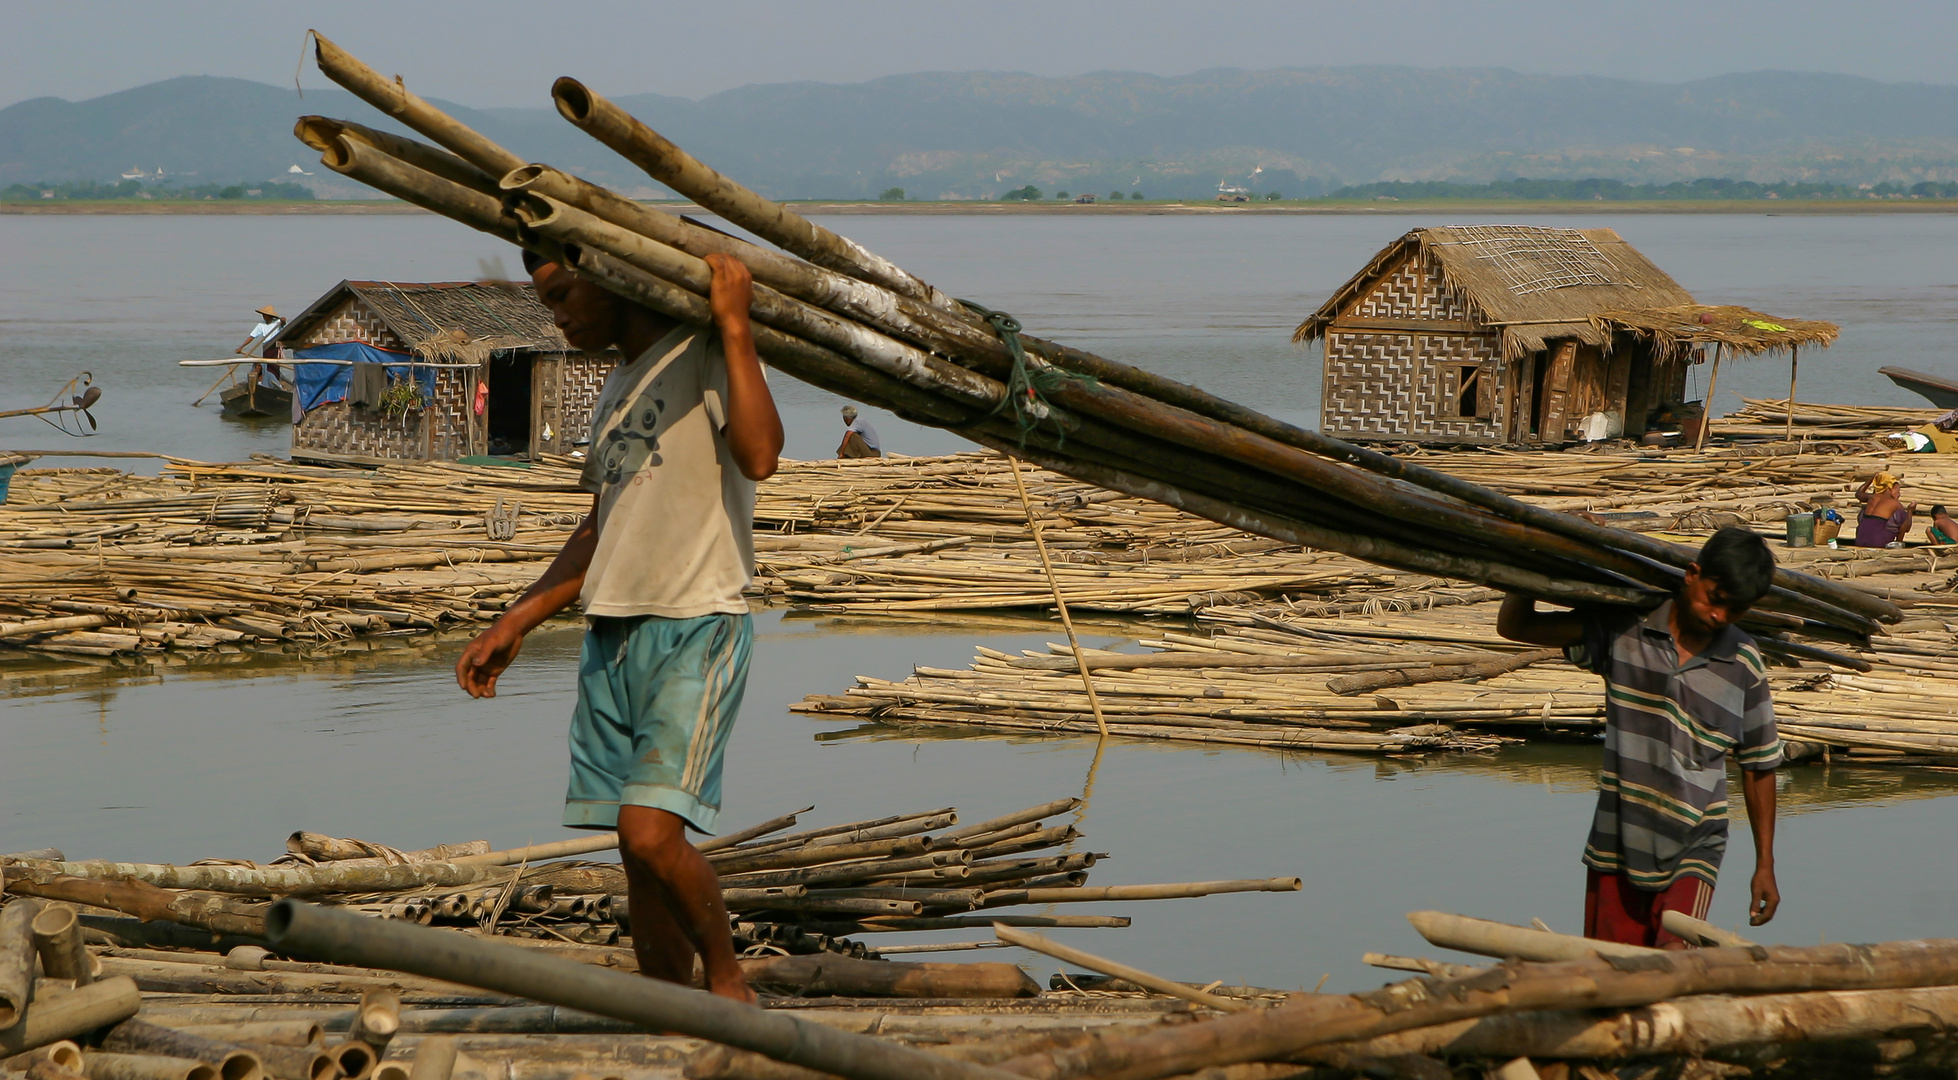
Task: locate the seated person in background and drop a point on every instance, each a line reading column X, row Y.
column 1885, row 517
column 1942, row 530
column 859, row 438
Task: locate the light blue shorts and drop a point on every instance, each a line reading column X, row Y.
column 656, row 703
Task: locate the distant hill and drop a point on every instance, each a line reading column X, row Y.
column 978, row 134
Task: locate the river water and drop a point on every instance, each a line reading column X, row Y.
column 214, row 762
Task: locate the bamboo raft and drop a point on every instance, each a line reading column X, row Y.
column 1431, row 677
column 317, row 992
column 212, row 560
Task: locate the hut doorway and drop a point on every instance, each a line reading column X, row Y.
column 507, row 416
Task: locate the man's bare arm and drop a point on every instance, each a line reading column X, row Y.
column 1763, row 895
column 1519, row 620
column 492, row 650
column 754, row 428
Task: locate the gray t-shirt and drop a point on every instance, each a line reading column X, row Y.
column 675, row 515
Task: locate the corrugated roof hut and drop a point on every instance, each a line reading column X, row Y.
column 435, row 371
column 1490, row 334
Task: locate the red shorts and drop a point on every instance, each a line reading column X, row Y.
column 1617, row 910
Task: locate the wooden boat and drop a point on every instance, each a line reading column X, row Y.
column 1940, row 391
column 254, row 399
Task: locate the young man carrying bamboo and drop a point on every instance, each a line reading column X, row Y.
column 1684, row 688
column 682, row 431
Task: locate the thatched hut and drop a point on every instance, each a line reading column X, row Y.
column 1492, row 334
column 388, row 371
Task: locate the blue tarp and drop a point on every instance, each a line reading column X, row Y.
column 319, row 384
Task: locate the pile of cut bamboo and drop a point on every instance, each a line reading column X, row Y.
column 831, row 313
column 788, row 893
column 1413, row 674
column 1818, row 421
column 394, row 1001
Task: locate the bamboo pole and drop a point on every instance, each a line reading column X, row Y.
column 1706, row 411
column 1485, row 938
column 102, row 1065
column 1313, row 1020
column 332, row 935
column 1060, row 602
column 321, row 132
column 17, row 969
column 1794, row 360
column 392, row 96
column 1026, row 939
column 678, row 170
column 232, row 1062
column 57, row 933
column 66, row 1016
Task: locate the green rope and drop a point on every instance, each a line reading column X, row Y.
column 1029, row 384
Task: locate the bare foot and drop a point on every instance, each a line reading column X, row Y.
column 735, row 988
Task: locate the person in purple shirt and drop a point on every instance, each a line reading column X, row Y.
column 1885, row 516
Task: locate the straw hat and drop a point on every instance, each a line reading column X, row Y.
column 267, row 311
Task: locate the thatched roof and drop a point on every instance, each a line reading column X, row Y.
column 445, row 321
column 1743, row 331
column 1532, row 283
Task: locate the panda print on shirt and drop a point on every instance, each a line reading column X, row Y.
column 633, row 443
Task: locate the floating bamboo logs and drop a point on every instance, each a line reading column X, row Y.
column 1347, row 685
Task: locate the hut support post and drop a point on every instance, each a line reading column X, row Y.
column 1706, row 409
column 1794, row 360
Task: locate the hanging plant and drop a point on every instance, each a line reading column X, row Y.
column 400, row 398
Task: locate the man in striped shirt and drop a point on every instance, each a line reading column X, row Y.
column 1684, row 689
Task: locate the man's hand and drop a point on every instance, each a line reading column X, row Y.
column 731, row 291
column 486, row 657
column 1763, row 897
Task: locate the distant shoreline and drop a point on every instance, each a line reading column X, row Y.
column 1532, row 207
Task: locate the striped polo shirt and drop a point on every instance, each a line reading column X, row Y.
column 1662, row 790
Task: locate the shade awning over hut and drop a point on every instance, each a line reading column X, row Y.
column 1741, row 331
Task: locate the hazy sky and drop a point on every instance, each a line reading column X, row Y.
column 501, row 52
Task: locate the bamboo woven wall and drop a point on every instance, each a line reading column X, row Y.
column 1404, row 384
column 338, row 429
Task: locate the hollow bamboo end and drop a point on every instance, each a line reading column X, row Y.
column 9, row 1013
column 317, row 132
column 339, row 154
column 201, row 1071
column 64, row 1054
column 574, row 102
column 390, row 1070
column 522, row 179
column 352, row 1059
column 238, row 1065
column 53, row 920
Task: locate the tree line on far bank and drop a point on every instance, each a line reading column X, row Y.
column 136, row 189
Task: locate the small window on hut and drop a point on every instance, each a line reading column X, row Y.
column 1471, row 395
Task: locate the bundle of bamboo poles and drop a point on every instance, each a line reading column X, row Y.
column 831, row 313
column 788, row 894
column 1820, row 420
